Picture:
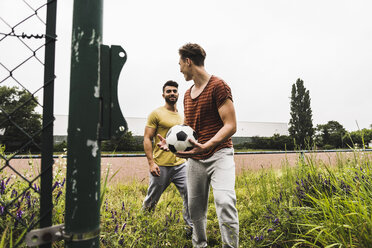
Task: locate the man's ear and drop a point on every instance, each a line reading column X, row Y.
column 188, row 61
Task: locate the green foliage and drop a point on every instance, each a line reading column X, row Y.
column 18, row 120
column 276, row 142
column 60, row 147
column 330, row 135
column 310, row 205
column 359, row 138
column 22, row 201
column 301, row 123
column 125, row 224
column 126, row 143
column 337, row 203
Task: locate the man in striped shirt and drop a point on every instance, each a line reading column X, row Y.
column 209, row 110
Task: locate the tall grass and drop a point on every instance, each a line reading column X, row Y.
column 310, row 205
column 20, row 202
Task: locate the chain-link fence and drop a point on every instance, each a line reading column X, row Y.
column 27, row 44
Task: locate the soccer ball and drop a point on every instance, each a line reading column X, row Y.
column 178, row 138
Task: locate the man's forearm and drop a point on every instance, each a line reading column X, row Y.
column 147, row 146
column 223, row 134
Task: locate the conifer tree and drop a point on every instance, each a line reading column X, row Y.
column 301, row 123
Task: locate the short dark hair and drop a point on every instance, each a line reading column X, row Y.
column 170, row 83
column 194, row 52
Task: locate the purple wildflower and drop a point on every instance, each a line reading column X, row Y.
column 36, row 187
column 2, row 187
column 123, row 227
column 1, row 210
column 19, row 214
column 268, row 210
column 23, row 197
column 56, row 184
column 270, row 230
column 121, row 240
column 32, row 217
column 59, row 194
column 14, row 193
column 116, row 228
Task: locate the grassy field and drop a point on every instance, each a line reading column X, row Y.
column 310, row 205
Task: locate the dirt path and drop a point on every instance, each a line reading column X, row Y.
column 136, row 168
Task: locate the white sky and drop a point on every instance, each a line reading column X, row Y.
column 260, row 48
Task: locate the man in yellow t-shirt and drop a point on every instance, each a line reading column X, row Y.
column 165, row 167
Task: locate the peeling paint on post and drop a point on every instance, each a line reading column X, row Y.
column 94, row 145
column 82, row 215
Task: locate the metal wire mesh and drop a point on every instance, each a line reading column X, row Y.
column 24, row 38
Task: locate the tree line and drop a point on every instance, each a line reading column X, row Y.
column 20, row 124
column 302, row 133
column 20, row 127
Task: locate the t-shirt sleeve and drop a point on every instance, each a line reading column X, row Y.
column 152, row 120
column 222, row 93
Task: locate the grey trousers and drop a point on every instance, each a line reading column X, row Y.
column 168, row 174
column 219, row 172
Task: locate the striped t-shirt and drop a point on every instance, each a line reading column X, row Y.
column 201, row 113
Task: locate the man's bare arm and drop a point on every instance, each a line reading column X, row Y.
column 147, row 146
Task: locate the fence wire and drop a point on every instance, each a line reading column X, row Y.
column 24, row 39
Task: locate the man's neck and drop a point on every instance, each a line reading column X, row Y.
column 201, row 77
column 171, row 107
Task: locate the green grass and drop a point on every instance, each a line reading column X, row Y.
column 310, row 205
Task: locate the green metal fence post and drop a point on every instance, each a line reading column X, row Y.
column 82, row 217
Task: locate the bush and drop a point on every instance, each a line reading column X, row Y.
column 276, row 142
column 358, row 138
column 126, row 143
column 61, row 147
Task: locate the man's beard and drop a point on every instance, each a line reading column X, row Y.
column 171, row 102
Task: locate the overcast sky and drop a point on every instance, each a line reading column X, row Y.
column 260, row 48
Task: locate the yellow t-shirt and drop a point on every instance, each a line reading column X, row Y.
column 162, row 120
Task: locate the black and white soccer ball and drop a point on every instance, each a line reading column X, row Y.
column 178, row 138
